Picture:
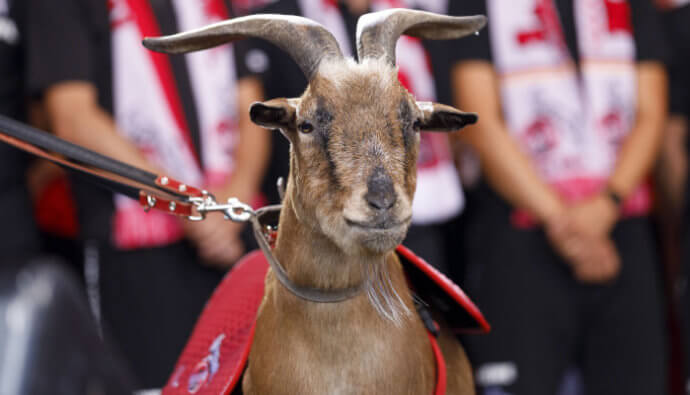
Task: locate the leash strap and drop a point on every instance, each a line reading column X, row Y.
column 153, row 191
column 263, row 222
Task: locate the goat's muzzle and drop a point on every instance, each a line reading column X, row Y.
column 380, row 191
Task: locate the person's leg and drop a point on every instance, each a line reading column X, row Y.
column 624, row 343
column 527, row 295
column 150, row 302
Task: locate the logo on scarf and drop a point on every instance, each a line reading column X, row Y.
column 206, row 368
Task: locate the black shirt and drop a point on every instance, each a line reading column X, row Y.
column 648, row 35
column 11, row 65
column 18, row 234
column 70, row 40
column 677, row 25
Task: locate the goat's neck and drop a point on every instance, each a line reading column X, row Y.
column 313, row 260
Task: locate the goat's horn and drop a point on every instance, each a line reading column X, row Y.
column 306, row 41
column 378, row 32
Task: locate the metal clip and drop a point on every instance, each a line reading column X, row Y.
column 238, row 211
column 234, row 210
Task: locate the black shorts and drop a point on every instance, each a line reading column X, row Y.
column 149, row 302
column 543, row 321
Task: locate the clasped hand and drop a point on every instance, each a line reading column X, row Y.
column 217, row 240
column 580, row 233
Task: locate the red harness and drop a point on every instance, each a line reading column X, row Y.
column 216, row 354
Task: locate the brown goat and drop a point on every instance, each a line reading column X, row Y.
column 354, row 137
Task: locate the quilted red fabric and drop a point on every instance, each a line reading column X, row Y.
column 215, row 355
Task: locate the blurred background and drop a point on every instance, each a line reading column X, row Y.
column 562, row 212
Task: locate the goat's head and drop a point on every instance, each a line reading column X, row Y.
column 354, row 132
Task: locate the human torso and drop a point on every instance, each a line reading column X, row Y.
column 569, row 118
column 180, row 113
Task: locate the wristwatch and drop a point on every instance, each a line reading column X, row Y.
column 614, row 196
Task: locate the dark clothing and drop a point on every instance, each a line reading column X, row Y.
column 150, row 323
column 75, row 35
column 149, row 298
column 11, row 62
column 18, row 233
column 646, row 23
column 542, row 319
column 70, row 41
column 678, row 35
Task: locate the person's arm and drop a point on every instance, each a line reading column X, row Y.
column 73, row 113
column 507, row 169
column 641, row 146
column 598, row 215
column 512, row 175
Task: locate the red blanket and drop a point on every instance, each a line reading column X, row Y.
column 216, row 354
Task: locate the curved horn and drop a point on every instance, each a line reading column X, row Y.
column 378, row 32
column 307, row 42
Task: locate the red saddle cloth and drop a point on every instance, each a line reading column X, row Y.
column 216, row 354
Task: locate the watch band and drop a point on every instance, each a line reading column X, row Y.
column 614, row 196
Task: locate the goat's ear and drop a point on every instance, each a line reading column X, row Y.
column 441, row 118
column 274, row 114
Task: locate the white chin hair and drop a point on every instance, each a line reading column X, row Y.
column 381, row 241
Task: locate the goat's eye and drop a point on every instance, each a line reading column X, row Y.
column 305, row 127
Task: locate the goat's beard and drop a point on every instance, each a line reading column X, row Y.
column 383, row 296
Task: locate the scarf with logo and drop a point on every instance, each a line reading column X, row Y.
column 149, row 112
column 570, row 123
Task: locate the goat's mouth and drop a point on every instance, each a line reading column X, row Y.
column 378, row 234
column 383, row 224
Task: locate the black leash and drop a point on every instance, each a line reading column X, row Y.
column 153, row 191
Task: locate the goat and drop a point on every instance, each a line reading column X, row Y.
column 354, row 137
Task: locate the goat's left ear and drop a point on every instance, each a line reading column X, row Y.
column 441, row 118
column 274, row 114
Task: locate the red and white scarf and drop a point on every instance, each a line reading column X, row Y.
column 148, row 111
column 570, row 125
column 439, row 194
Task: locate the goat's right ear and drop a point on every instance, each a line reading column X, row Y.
column 441, row 118
column 274, row 114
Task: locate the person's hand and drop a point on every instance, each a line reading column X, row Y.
column 595, row 216
column 593, row 259
column 216, row 239
column 602, row 266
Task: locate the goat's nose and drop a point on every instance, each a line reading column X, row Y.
column 380, row 192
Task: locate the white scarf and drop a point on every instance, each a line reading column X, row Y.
column 570, row 126
column 439, row 194
column 148, row 111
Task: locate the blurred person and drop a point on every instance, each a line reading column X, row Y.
column 266, row 71
column 148, row 274
column 18, row 234
column 571, row 97
column 672, row 170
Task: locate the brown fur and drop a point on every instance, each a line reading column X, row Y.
column 302, row 347
column 354, row 138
